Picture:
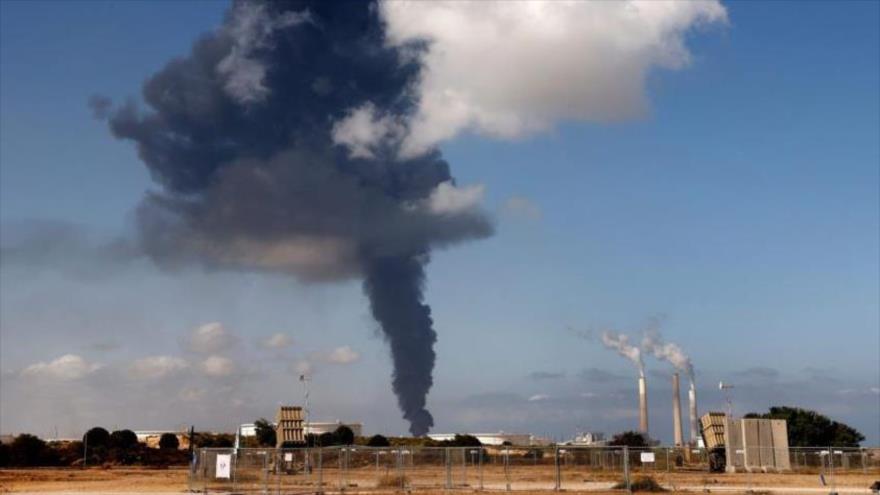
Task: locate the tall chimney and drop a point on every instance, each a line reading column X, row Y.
column 676, row 411
column 643, row 404
column 692, row 399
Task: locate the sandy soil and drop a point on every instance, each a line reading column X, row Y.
column 524, row 481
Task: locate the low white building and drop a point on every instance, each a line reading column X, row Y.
column 588, row 438
column 321, row 427
column 310, row 428
column 500, row 438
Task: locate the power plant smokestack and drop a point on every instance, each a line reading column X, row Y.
column 643, row 404
column 620, row 343
column 692, row 403
column 676, row 411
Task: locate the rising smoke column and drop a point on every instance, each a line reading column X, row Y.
column 652, row 343
column 620, row 343
column 242, row 135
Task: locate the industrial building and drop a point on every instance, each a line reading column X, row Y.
column 321, row 427
column 500, row 438
column 587, row 438
column 310, row 428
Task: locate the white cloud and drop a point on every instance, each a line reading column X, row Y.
column 154, row 367
column 539, row 398
column 250, row 28
column 343, row 355
column 508, row 69
column 217, row 366
column 210, row 338
column 303, row 367
column 66, row 367
column 522, row 208
column 277, row 341
column 447, row 199
column 192, row 394
column 363, row 129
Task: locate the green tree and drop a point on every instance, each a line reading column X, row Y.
column 378, row 441
column 97, row 437
column 343, row 436
column 265, row 432
column 629, row 439
column 123, row 439
column 808, row 428
column 169, row 441
column 28, row 450
column 326, row 439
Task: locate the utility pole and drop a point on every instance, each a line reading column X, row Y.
column 728, row 427
column 305, row 379
column 85, row 449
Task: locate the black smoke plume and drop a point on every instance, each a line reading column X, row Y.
column 239, row 135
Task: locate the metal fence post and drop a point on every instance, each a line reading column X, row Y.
column 480, row 450
column 320, row 470
column 507, row 466
column 446, row 463
column 626, row 469
column 556, row 465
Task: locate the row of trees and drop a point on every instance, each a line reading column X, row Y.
column 97, row 447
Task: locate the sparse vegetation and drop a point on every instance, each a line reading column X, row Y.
column 392, row 481
column 378, row 441
column 644, row 484
column 630, row 439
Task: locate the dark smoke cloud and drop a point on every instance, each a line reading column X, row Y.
column 239, row 136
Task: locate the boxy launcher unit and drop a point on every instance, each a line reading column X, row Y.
column 289, row 426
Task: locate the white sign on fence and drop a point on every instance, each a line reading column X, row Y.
column 646, row 457
column 288, row 457
column 223, row 466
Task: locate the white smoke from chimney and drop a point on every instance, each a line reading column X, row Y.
column 652, row 342
column 620, row 343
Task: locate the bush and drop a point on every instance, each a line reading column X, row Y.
column 211, row 440
column 378, row 441
column 642, row 484
column 4, row 455
column 29, row 450
column 123, row 439
column 392, row 481
column 97, row 437
column 629, row 439
column 168, row 441
column 326, row 439
column 67, row 453
column 343, row 436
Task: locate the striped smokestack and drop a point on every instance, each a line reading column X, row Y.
column 643, row 404
column 692, row 400
column 676, row 411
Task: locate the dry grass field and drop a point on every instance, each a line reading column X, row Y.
column 98, row 481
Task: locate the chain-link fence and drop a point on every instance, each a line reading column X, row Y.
column 508, row 468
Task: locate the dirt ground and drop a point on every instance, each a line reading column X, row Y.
column 98, row 481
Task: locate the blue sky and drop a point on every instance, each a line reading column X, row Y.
column 744, row 207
